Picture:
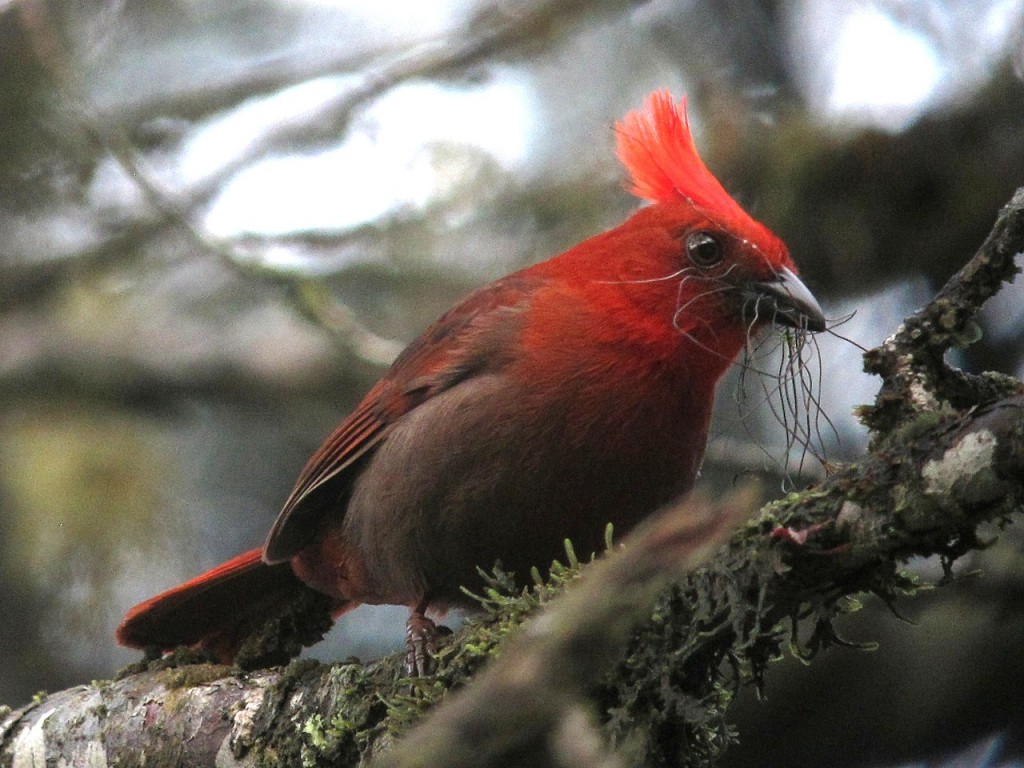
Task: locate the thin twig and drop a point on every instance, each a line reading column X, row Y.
column 911, row 362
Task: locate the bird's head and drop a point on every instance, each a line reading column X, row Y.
column 725, row 273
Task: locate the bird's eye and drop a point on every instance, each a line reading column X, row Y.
column 703, row 249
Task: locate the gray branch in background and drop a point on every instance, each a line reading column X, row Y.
column 496, row 30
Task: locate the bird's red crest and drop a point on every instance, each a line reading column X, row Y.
column 656, row 147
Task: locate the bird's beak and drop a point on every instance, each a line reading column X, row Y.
column 787, row 301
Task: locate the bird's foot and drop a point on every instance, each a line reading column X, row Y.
column 421, row 636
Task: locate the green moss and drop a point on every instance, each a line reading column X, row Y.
column 296, row 671
column 103, row 686
column 156, row 661
column 318, row 740
column 921, row 424
column 194, row 674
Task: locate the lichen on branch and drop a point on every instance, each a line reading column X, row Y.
column 915, row 377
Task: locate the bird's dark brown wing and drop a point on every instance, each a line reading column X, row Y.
column 466, row 340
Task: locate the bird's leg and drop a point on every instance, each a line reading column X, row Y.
column 421, row 641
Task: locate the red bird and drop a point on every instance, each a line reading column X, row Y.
column 568, row 395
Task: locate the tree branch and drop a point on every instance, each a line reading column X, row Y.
column 915, row 376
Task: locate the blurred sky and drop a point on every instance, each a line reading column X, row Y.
column 863, row 63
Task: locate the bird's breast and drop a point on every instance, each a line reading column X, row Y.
column 498, row 468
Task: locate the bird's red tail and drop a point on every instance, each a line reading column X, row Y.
column 221, row 608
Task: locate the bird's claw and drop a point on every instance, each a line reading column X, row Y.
column 421, row 636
